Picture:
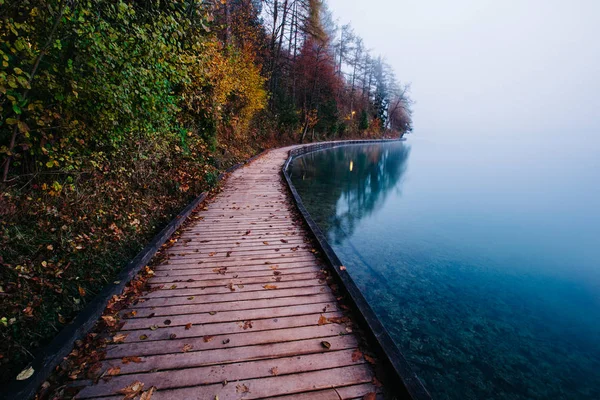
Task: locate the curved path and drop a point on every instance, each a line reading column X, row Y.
column 241, row 309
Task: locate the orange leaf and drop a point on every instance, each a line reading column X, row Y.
column 120, row 338
column 274, row 371
column 81, row 291
column 322, row 320
column 370, row 359
column 187, row 347
column 188, row 326
column 370, row 396
column 356, row 355
column 127, row 360
column 147, row 394
column 113, row 371
column 270, row 287
column 132, row 390
column 207, row 338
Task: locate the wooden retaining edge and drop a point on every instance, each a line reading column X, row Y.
column 52, row 355
column 399, row 375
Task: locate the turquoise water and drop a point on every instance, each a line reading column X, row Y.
column 482, row 260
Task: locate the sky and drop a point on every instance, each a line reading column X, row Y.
column 516, row 68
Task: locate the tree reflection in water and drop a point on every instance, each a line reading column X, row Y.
column 368, row 173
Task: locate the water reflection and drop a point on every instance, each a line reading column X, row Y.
column 368, row 173
column 450, row 266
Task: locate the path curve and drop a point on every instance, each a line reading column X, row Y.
column 241, row 309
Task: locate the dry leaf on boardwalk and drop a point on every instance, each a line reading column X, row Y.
column 147, row 395
column 188, row 326
column 187, row 347
column 274, row 371
column 242, row 389
column 357, row 355
column 270, row 287
column 370, row 396
column 265, row 243
column 325, row 344
column 207, row 338
column 112, row 371
column 322, row 320
column 283, row 241
column 370, row 359
column 128, row 359
column 132, row 390
column 120, row 338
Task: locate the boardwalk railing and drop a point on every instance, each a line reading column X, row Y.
column 399, row 374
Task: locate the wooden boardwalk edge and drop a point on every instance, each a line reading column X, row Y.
column 399, row 373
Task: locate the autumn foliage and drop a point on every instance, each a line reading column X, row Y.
column 115, row 114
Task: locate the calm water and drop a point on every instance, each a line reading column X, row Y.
column 481, row 258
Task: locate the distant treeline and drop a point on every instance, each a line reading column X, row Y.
column 115, row 113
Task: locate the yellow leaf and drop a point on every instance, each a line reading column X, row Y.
column 25, row 374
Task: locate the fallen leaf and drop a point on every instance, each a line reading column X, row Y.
column 325, row 344
column 81, row 291
column 120, row 338
column 132, row 390
column 212, row 312
column 143, row 337
column 247, row 325
column 109, row 321
column 370, row 396
column 113, row 371
column 270, row 287
column 154, row 327
column 207, row 338
column 147, row 394
column 322, row 320
column 128, row 359
column 188, row 326
column 242, row 389
column 211, row 254
column 191, row 298
column 25, row 374
column 274, row 371
column 173, row 287
column 248, row 232
column 187, row 347
column 369, row 359
column 356, row 355
column 226, row 341
column 265, row 243
column 283, row 241
column 172, row 336
column 228, row 254
column 338, row 320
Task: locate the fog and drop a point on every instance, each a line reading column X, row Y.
column 489, row 68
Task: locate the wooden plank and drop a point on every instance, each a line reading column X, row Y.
column 208, row 274
column 174, row 346
column 229, row 316
column 232, row 372
column 225, row 328
column 232, row 296
column 229, row 306
column 225, row 289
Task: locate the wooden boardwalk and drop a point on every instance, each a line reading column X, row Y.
column 240, row 310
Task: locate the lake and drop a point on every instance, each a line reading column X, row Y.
column 480, row 258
